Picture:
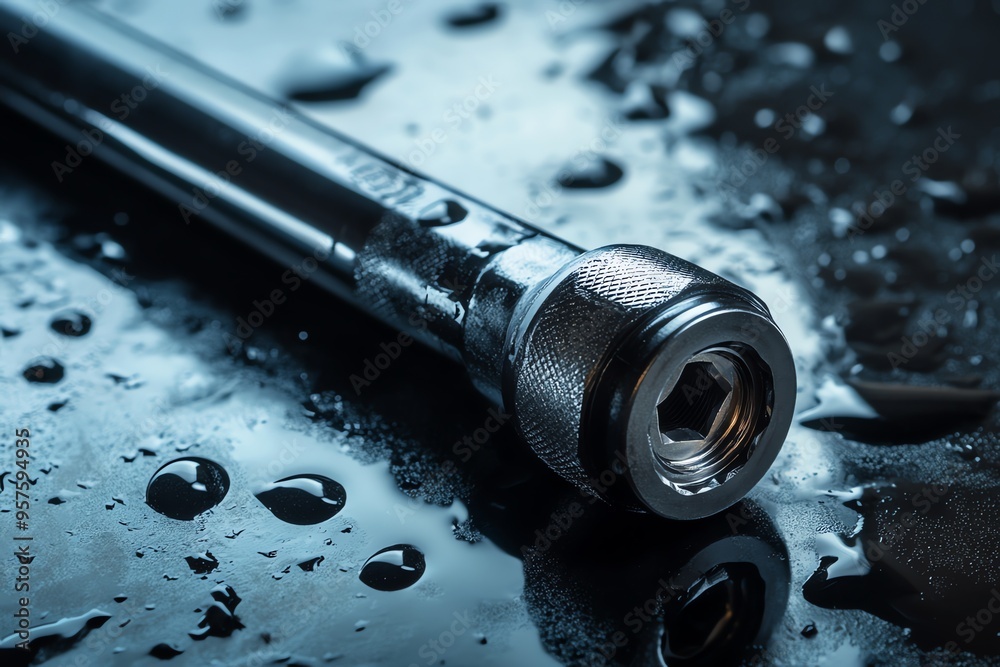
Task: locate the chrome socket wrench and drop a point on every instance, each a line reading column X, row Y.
column 639, row 377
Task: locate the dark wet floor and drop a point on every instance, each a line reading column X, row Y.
column 197, row 501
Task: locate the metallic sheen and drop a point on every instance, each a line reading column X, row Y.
column 638, row 376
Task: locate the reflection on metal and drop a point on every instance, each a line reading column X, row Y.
column 703, row 593
column 578, row 347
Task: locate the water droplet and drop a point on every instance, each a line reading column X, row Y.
column 886, row 413
column 890, row 51
column 901, row 113
column 906, row 560
column 596, row 173
column 184, row 488
column 303, row 499
column 71, row 323
column 164, row 651
column 310, row 565
column 9, row 232
column 202, row 563
column 645, row 102
column 228, row 10
column 330, row 75
column 45, row 370
column 763, row 118
column 55, row 637
column 793, row 54
column 442, row 212
column 220, row 619
column 112, row 250
column 467, row 17
column 838, row 40
column 393, row 568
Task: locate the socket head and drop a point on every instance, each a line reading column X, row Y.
column 696, row 403
column 697, row 414
column 645, row 379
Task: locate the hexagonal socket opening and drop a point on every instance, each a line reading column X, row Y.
column 709, row 418
column 689, row 413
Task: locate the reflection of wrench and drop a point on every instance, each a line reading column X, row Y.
column 619, row 362
column 689, row 594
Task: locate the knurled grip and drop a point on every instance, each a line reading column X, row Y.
column 622, row 359
column 585, row 320
column 562, row 342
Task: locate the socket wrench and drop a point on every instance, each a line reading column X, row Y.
column 641, row 378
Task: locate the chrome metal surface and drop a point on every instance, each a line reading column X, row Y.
column 584, row 350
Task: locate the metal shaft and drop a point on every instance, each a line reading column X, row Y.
column 623, row 363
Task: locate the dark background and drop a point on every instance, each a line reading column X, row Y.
column 895, row 413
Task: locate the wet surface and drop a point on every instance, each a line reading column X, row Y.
column 72, row 323
column 303, row 499
column 393, row 568
column 45, row 371
column 901, row 563
column 764, row 145
column 187, row 487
